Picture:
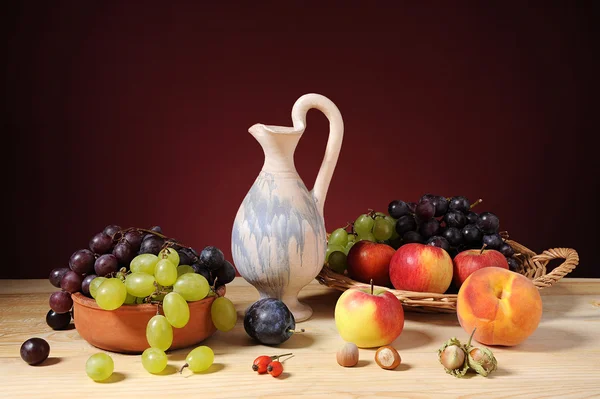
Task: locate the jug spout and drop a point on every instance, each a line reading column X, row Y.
column 278, row 144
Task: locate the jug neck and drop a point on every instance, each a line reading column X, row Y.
column 278, row 144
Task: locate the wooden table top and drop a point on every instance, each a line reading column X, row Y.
column 561, row 359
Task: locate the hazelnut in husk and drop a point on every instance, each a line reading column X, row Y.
column 482, row 360
column 452, row 356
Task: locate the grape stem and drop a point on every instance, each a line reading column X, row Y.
column 474, row 204
column 168, row 243
column 182, row 367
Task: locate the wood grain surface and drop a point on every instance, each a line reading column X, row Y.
column 561, row 359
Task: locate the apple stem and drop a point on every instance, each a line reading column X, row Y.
column 371, row 286
column 471, row 337
column 474, row 204
column 482, row 248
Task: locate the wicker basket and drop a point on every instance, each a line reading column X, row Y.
column 533, row 266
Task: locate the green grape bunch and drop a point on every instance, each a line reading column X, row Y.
column 371, row 226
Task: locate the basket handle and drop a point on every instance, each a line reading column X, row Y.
column 571, row 258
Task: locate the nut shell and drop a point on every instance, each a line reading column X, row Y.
column 347, row 355
column 387, row 358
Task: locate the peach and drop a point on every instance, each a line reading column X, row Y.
column 504, row 307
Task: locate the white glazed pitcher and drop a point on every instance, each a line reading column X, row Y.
column 279, row 238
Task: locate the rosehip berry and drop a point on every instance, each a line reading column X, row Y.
column 260, row 364
column 275, row 368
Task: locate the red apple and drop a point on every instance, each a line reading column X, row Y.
column 421, row 268
column 369, row 318
column 370, row 260
column 466, row 262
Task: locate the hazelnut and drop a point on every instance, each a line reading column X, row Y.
column 347, row 356
column 387, row 357
column 452, row 357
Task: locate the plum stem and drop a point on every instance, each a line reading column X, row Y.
column 295, row 332
column 474, row 204
column 371, row 286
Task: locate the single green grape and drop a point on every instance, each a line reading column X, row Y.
column 95, row 284
column 130, row 299
column 170, row 254
column 383, row 229
column 363, row 224
column 184, row 269
column 154, row 360
column 392, row 221
column 165, row 273
column 199, row 359
column 111, row 294
column 338, row 237
column 99, row 366
column 368, row 237
column 223, row 314
column 338, row 262
column 140, row 284
column 351, row 238
column 144, row 263
column 332, row 248
column 176, row 309
column 380, row 214
column 192, row 287
column 159, row 333
column 348, row 247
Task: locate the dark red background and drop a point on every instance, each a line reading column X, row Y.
column 137, row 114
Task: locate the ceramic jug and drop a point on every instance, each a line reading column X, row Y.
column 279, row 238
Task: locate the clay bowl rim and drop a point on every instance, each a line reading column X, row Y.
column 91, row 303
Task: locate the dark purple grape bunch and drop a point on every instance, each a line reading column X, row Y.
column 211, row 264
column 451, row 224
column 84, row 265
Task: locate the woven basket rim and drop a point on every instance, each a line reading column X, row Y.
column 533, row 266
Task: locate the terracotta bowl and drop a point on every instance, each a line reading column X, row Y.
column 124, row 330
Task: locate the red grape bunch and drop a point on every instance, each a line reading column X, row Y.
column 111, row 256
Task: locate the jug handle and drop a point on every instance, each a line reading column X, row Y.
column 334, row 142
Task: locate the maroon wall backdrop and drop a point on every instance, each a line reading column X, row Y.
column 137, row 114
